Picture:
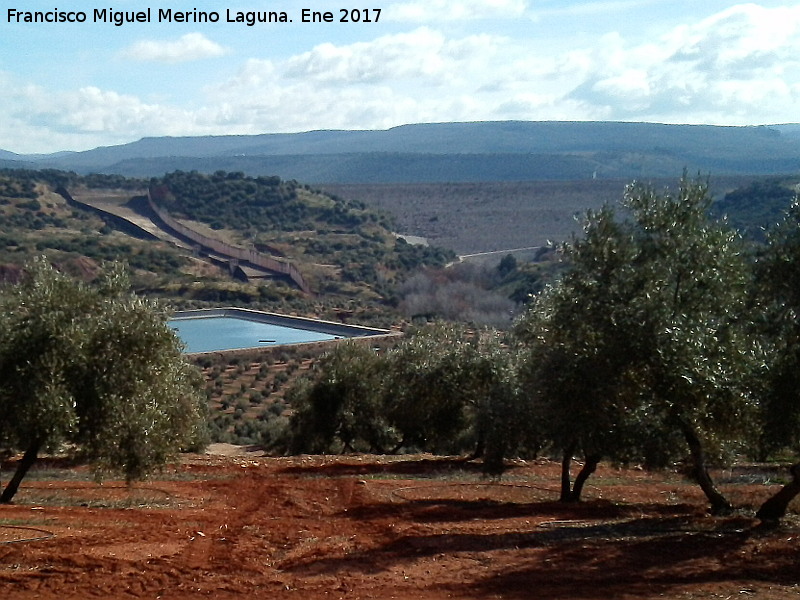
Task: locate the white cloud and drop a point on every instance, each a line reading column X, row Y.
column 191, row 46
column 436, row 11
column 724, row 69
column 419, row 75
column 739, row 40
column 592, row 8
column 91, row 109
column 42, row 120
column 740, row 66
column 423, row 54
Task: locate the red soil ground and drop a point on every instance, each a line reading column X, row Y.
column 416, row 527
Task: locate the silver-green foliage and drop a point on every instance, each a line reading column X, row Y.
column 779, row 284
column 778, row 271
column 643, row 338
column 96, row 367
column 698, row 358
column 340, row 407
column 439, row 389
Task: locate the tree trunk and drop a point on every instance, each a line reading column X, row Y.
column 719, row 504
column 566, row 480
column 22, row 469
column 399, row 445
column 589, row 467
column 480, row 448
column 774, row 509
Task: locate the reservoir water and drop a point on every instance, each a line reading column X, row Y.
column 213, row 334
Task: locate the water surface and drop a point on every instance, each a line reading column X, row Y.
column 212, row 334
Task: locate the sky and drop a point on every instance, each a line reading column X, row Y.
column 77, row 86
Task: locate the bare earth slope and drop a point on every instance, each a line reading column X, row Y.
column 364, row 527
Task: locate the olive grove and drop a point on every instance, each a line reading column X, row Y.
column 668, row 340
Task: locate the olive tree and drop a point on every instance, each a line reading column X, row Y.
column 779, row 283
column 358, row 400
column 341, row 404
column 643, row 335
column 579, row 356
column 501, row 422
column 424, row 394
column 95, row 367
column 699, row 366
column 441, row 388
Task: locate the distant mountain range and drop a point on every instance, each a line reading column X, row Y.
column 453, row 152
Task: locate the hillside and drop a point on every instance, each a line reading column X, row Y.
column 345, row 251
column 340, row 238
column 472, row 218
column 453, row 152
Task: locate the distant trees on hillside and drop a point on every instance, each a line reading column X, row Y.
column 329, row 229
column 464, row 292
column 14, row 187
column 757, row 206
column 232, row 200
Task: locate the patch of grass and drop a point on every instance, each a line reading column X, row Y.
column 34, row 522
column 91, row 496
column 58, row 474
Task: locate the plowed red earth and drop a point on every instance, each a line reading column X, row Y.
column 414, row 527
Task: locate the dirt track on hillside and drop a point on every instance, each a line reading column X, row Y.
column 416, row 527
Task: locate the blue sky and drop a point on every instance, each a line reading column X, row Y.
column 78, row 86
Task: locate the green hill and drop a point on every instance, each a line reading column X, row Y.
column 345, row 251
column 454, row 152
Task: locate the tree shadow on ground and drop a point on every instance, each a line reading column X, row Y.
column 642, row 562
column 634, row 556
column 451, row 511
column 590, row 550
column 555, row 524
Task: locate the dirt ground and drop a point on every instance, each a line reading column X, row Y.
column 413, row 527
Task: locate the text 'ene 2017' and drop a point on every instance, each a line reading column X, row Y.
column 345, row 15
